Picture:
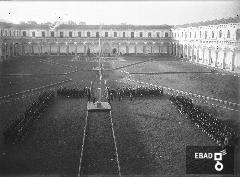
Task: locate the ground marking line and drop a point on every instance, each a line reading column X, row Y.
column 115, row 144
column 84, row 136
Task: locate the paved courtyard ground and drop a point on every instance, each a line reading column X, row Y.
column 151, row 136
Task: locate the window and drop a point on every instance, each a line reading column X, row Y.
column 140, row 34
column 10, row 34
column 195, row 35
column 149, row 34
column 190, row 35
column 61, row 34
column 106, row 34
column 158, row 34
column 228, row 34
column 97, row 34
column 1, row 33
column 175, row 35
column 52, row 34
column 123, row 34
column 200, row 34
column 166, row 34
column 220, row 33
column 212, row 34
column 70, row 34
column 79, row 34
column 205, row 34
column 88, row 34
column 43, row 34
column 182, row 34
column 24, row 33
column 115, row 34
column 132, row 34
column 185, row 35
column 33, row 34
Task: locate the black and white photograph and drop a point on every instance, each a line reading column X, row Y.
column 116, row 88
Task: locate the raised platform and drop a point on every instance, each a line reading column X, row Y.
column 98, row 106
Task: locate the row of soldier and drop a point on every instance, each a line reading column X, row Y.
column 18, row 128
column 220, row 132
column 72, row 92
column 130, row 92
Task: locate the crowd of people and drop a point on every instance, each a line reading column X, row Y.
column 220, row 132
column 129, row 92
column 17, row 129
column 73, row 92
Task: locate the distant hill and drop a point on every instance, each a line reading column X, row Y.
column 211, row 22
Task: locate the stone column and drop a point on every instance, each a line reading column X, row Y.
column 232, row 67
column 13, row 50
column 203, row 55
column 224, row 58
column 58, row 49
column 209, row 56
column 75, row 49
column 5, row 52
column 118, row 49
column 67, row 50
column 197, row 56
column 216, row 60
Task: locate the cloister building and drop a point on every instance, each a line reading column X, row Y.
column 213, row 45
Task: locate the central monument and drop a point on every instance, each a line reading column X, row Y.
column 98, row 88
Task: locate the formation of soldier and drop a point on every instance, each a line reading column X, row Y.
column 73, row 92
column 220, row 132
column 18, row 128
column 130, row 92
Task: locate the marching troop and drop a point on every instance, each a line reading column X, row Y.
column 18, row 128
column 129, row 92
column 220, row 132
column 73, row 92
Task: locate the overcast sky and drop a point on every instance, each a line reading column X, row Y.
column 108, row 12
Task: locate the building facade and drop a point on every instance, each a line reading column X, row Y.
column 77, row 39
column 213, row 45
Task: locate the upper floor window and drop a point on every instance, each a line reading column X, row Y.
column 43, row 33
column 115, row 34
column 52, row 33
column 10, row 34
column 175, row 35
column 97, row 34
column 24, row 33
column 195, row 35
column 220, row 33
column 212, row 34
column 166, row 34
column 33, row 34
column 200, row 34
column 228, row 34
column 132, row 34
column 149, row 34
column 123, row 34
column 185, row 35
column 205, row 34
column 61, row 34
column 79, row 34
column 70, row 34
column 140, row 34
column 106, row 34
column 1, row 33
column 158, row 34
column 88, row 34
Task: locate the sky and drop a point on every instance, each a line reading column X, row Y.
column 109, row 12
